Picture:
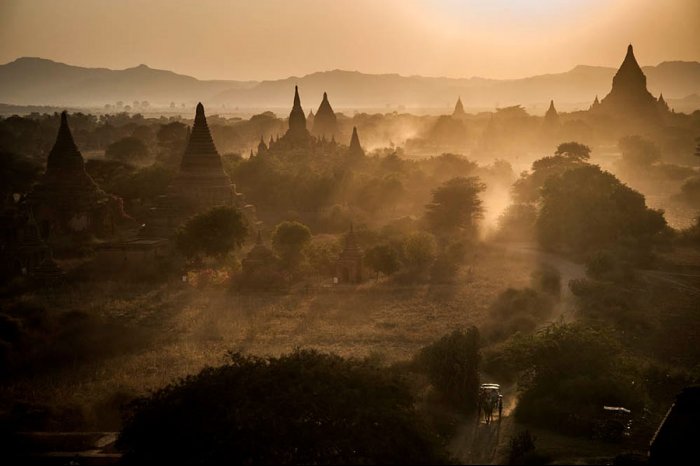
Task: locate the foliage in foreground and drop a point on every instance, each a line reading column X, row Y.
column 304, row 407
column 452, row 366
column 566, row 373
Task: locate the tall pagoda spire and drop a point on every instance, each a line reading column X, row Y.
column 65, row 154
column 355, row 148
column 200, row 144
column 202, row 181
column 297, row 120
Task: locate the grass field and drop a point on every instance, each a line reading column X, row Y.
column 173, row 330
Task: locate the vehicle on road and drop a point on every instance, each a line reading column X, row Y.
column 490, row 401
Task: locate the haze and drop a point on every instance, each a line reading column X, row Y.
column 270, row 39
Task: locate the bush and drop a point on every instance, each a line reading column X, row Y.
column 305, row 407
column 213, row 233
column 517, row 311
column 452, row 366
column 566, row 374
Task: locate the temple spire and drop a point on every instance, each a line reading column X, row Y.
column 297, row 120
column 325, row 121
column 200, row 143
column 297, row 100
column 64, row 154
column 459, row 109
column 355, row 148
column 629, row 94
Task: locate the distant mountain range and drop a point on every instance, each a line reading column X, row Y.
column 37, row 81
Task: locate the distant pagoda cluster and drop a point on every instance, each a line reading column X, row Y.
column 321, row 139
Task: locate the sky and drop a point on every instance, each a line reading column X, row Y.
column 272, row 39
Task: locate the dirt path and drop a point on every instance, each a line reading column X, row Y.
column 569, row 271
column 480, row 443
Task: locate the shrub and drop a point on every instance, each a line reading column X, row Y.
column 304, row 407
column 452, row 366
column 566, row 374
column 517, row 311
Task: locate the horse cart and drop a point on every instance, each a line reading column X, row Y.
column 490, row 402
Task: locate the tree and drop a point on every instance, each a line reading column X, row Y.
column 172, row 139
column 301, row 408
column 17, row 174
column 587, row 209
column 574, row 150
column 213, row 233
column 382, row 258
column 456, row 206
column 289, row 240
column 419, row 250
column 555, row 396
column 452, row 365
column 128, row 150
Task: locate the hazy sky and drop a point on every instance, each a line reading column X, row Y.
column 268, row 39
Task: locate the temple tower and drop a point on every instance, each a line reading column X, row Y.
column 201, row 182
column 325, row 121
column 551, row 118
column 67, row 201
column 355, row 149
column 629, row 94
column 297, row 120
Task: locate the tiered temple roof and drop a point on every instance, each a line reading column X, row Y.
column 202, row 181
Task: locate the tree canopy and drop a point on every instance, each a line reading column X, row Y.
column 213, row 233
column 129, row 150
column 383, row 258
column 289, row 240
column 456, row 205
column 587, row 209
column 301, row 408
column 574, row 150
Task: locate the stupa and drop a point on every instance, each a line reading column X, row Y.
column 67, row 201
column 201, row 182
